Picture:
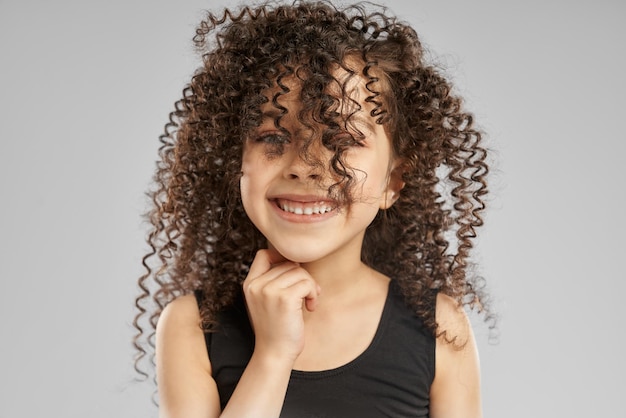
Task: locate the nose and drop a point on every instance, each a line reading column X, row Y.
column 304, row 163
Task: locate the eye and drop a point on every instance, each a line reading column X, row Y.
column 272, row 143
column 348, row 140
column 272, row 138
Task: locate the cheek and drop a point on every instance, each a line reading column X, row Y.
column 256, row 176
column 246, row 161
column 244, row 189
column 250, row 171
column 251, row 197
column 373, row 176
column 247, row 183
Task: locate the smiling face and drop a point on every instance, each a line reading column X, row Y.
column 286, row 192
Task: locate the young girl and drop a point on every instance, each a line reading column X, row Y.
column 317, row 196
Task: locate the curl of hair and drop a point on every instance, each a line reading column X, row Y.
column 201, row 237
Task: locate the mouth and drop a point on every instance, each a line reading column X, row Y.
column 309, row 208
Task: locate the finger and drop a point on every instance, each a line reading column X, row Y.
column 253, row 284
column 263, row 261
column 284, row 276
column 311, row 303
column 308, row 291
column 274, row 256
column 282, row 285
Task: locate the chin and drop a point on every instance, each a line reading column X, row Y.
column 299, row 255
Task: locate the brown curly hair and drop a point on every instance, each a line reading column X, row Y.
column 201, row 237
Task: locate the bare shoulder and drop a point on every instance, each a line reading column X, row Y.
column 182, row 311
column 452, row 320
column 179, row 330
column 455, row 391
column 186, row 387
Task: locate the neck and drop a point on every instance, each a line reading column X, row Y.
column 345, row 283
column 343, row 277
column 337, row 275
column 342, row 274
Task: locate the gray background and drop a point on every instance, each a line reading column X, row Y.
column 86, row 87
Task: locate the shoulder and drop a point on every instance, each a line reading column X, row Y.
column 179, row 331
column 181, row 311
column 184, row 380
column 452, row 320
column 455, row 391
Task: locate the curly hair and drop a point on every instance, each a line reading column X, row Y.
column 201, row 237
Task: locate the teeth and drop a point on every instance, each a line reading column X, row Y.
column 315, row 209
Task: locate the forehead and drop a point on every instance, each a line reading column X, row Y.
column 343, row 89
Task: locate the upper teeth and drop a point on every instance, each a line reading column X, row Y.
column 316, row 208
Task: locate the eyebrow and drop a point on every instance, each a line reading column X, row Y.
column 358, row 120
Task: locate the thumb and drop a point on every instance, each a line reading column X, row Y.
column 273, row 256
column 264, row 260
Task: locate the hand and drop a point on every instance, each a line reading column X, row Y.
column 276, row 291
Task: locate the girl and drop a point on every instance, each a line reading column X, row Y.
column 317, row 196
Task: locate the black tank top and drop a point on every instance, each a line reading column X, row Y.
column 391, row 378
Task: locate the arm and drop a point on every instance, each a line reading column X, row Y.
column 455, row 392
column 275, row 296
column 186, row 387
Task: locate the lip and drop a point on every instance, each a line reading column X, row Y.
column 303, row 201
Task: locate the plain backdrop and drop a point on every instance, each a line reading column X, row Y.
column 85, row 90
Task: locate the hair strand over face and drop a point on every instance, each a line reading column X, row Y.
column 201, row 237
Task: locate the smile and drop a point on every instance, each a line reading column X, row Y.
column 305, row 208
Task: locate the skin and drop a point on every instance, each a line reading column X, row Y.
column 309, row 292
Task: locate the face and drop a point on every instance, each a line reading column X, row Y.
column 288, row 199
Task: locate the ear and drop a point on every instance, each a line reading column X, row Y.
column 394, row 185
